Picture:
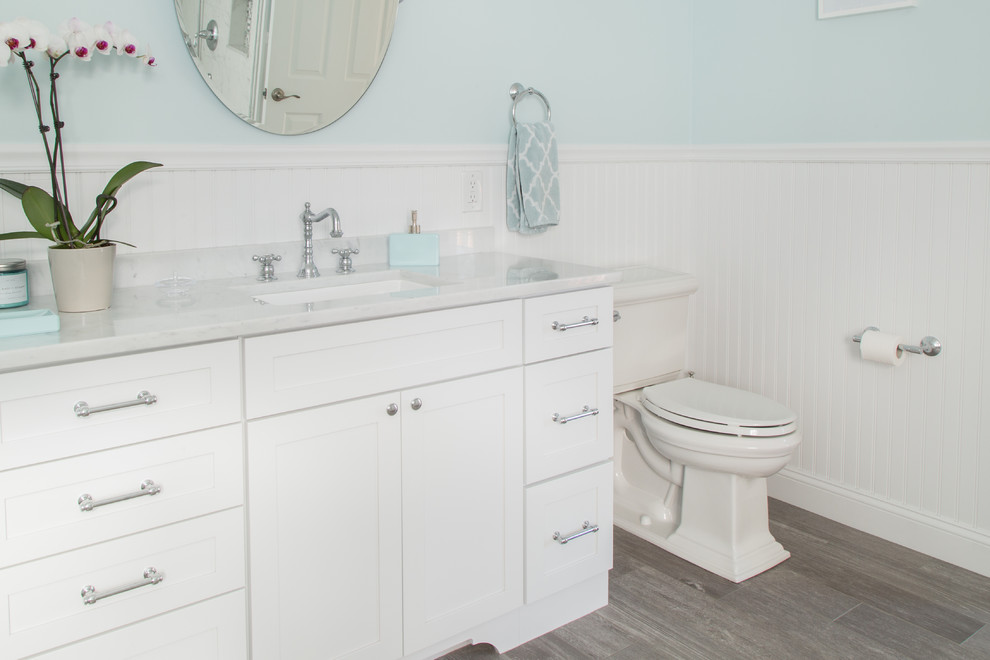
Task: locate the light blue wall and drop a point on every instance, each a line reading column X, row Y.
column 615, row 73
column 769, row 71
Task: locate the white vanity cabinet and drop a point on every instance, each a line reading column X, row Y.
column 384, row 524
column 406, row 477
column 121, row 513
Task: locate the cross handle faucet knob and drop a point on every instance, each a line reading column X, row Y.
column 267, row 266
column 345, row 265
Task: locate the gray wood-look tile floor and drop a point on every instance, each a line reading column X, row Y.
column 842, row 594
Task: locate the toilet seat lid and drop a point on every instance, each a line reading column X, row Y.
column 718, row 409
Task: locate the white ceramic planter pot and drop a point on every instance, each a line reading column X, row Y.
column 82, row 278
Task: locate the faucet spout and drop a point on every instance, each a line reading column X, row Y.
column 336, row 231
column 308, row 216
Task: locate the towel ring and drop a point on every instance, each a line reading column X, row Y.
column 517, row 92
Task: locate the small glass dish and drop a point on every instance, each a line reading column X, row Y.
column 175, row 286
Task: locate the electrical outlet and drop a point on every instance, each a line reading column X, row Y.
column 471, row 192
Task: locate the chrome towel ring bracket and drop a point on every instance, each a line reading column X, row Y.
column 517, row 92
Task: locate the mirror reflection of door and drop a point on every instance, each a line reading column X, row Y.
column 327, row 54
column 321, row 56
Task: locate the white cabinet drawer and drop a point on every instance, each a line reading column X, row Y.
column 40, row 513
column 312, row 367
column 561, row 508
column 563, row 430
column 212, row 630
column 567, row 323
column 195, row 387
column 41, row 602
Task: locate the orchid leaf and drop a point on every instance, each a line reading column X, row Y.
column 107, row 200
column 39, row 207
column 125, row 174
column 14, row 188
column 20, row 234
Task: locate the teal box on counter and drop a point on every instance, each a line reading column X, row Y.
column 413, row 249
column 28, row 322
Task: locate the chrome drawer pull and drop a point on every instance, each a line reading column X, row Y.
column 557, row 325
column 151, row 576
column 144, row 398
column 148, row 487
column 585, row 412
column 586, row 528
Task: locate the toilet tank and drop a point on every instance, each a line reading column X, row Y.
column 650, row 335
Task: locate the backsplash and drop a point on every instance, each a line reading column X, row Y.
column 796, row 249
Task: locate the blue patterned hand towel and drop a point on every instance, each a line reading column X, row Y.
column 532, row 185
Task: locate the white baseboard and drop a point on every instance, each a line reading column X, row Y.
column 962, row 546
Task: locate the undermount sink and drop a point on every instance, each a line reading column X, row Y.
column 393, row 283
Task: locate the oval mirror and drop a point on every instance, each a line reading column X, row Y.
column 287, row 66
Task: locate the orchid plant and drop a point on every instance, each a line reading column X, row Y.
column 26, row 41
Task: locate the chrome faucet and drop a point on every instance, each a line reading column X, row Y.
column 309, row 268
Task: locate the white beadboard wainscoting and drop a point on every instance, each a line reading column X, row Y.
column 794, row 258
column 797, row 248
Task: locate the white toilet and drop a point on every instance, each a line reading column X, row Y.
column 691, row 458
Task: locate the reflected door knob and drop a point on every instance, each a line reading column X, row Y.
column 278, row 94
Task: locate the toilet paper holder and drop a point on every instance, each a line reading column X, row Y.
column 930, row 346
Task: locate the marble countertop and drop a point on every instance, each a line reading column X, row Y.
column 146, row 317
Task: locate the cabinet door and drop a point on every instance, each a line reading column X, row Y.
column 326, row 560
column 462, row 504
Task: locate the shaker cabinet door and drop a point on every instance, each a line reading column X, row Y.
column 325, row 528
column 462, row 504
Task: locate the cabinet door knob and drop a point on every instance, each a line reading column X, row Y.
column 416, row 403
column 392, row 409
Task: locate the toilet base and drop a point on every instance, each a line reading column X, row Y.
column 724, row 527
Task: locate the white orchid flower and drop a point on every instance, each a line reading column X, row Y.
column 79, row 37
column 80, row 46
column 126, row 43
column 56, row 46
column 15, row 35
column 6, row 55
column 38, row 34
column 103, row 38
column 148, row 58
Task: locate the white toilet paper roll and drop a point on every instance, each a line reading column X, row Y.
column 881, row 347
